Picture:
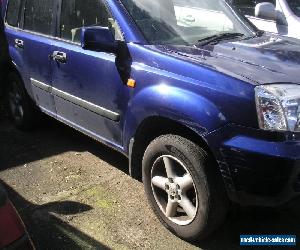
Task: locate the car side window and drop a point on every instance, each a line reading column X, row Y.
column 247, row 7
column 13, row 12
column 39, row 16
column 76, row 14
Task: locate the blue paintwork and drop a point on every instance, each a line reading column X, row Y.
column 92, row 76
column 42, row 69
column 258, row 167
column 258, row 146
column 209, row 90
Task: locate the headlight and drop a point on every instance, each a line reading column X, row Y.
column 278, row 107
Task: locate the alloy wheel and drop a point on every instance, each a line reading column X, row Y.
column 174, row 190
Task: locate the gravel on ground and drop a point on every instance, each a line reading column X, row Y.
column 74, row 193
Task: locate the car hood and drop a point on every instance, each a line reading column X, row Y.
column 259, row 60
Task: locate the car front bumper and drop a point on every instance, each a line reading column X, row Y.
column 258, row 167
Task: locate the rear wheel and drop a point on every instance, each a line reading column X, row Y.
column 21, row 109
column 183, row 187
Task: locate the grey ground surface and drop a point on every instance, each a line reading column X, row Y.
column 74, row 193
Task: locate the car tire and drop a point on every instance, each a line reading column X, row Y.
column 183, row 187
column 21, row 109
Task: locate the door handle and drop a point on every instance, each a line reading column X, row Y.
column 189, row 19
column 59, row 57
column 19, row 44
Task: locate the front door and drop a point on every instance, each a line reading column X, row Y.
column 87, row 87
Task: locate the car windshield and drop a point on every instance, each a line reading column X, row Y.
column 295, row 6
column 185, row 22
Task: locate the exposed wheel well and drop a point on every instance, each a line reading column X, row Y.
column 152, row 128
column 11, row 68
column 8, row 68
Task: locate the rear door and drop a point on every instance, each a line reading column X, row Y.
column 12, row 32
column 3, row 45
column 30, row 46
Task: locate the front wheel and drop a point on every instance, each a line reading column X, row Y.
column 183, row 187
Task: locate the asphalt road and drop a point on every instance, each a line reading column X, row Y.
column 74, row 193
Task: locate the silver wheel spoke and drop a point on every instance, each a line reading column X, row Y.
column 169, row 165
column 171, row 208
column 188, row 207
column 20, row 111
column 159, row 181
column 170, row 175
column 185, row 182
column 14, row 109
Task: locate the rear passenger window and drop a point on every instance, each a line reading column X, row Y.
column 76, row 14
column 39, row 16
column 13, row 12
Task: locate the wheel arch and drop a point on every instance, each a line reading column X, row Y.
column 14, row 68
column 151, row 128
column 11, row 68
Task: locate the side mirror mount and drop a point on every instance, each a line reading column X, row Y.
column 98, row 38
column 281, row 20
column 265, row 10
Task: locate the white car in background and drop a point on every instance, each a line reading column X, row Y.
column 276, row 16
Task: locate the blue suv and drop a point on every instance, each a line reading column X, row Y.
column 205, row 106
